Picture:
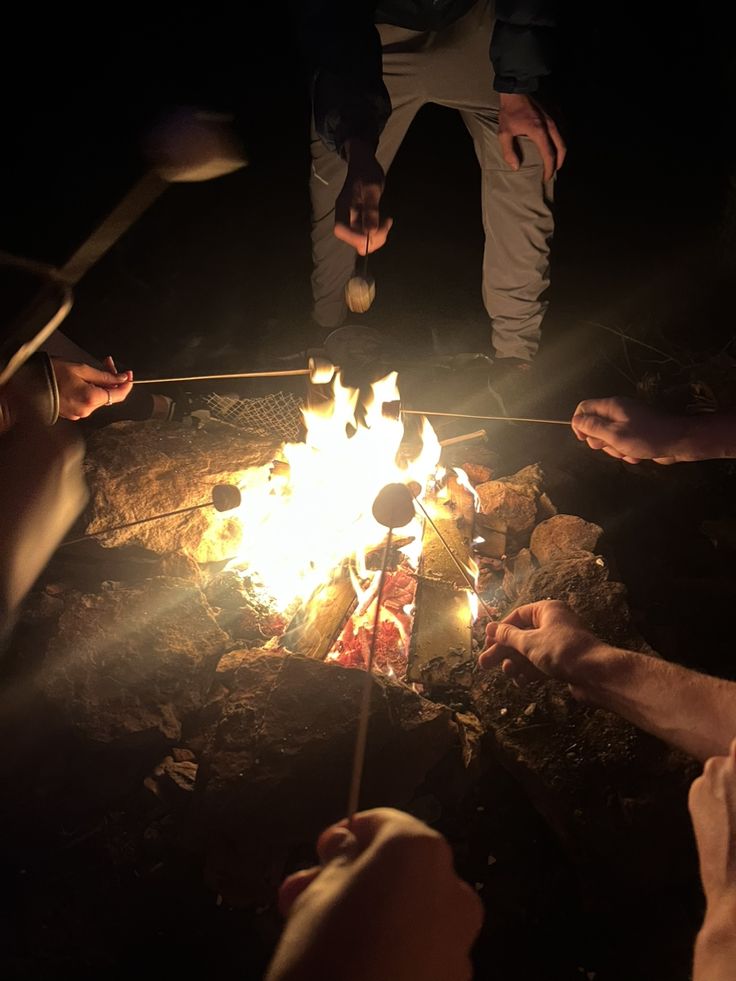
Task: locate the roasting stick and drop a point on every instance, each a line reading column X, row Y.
column 319, row 370
column 392, row 409
column 236, row 374
column 393, row 508
column 463, row 571
column 225, row 497
column 463, row 415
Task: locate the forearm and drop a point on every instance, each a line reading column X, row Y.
column 711, row 436
column 343, row 51
column 715, row 948
column 693, row 712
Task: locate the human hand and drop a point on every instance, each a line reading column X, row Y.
column 632, row 431
column 83, row 389
column 357, row 208
column 541, row 639
column 521, row 116
column 712, row 806
column 385, row 903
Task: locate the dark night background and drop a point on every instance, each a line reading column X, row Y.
column 216, row 276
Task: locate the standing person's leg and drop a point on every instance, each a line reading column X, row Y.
column 518, row 223
column 516, row 205
column 334, row 261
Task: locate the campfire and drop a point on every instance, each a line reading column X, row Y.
column 190, row 680
column 310, row 547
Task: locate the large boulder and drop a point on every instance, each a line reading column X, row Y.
column 136, row 470
column 615, row 797
column 279, row 749
column 515, row 502
column 584, row 583
column 132, row 660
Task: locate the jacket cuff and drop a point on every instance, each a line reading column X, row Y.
column 515, row 86
column 33, row 390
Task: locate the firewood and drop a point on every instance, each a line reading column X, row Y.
column 318, row 622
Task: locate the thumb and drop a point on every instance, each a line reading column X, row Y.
column 592, row 425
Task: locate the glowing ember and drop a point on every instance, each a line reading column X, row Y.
column 397, row 607
column 304, row 520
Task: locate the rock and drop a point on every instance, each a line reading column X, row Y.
column 583, row 583
column 518, row 570
column 529, row 480
column 563, row 536
column 471, row 737
column 477, row 473
column 493, row 545
column 136, row 470
column 132, row 660
column 180, row 775
column 180, row 565
column 516, row 510
column 227, row 590
column 230, row 662
column 605, row 788
column 182, row 755
column 512, row 500
column 172, row 781
column 279, row 756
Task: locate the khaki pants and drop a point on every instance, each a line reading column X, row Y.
column 451, row 68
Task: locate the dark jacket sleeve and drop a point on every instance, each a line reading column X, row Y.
column 343, row 52
column 523, row 44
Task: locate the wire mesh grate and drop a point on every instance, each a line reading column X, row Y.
column 276, row 414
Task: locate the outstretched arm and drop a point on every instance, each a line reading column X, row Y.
column 692, row 711
column 633, row 431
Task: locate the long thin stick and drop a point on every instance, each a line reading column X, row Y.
column 361, row 738
column 138, row 521
column 478, row 434
column 464, row 415
column 237, row 374
column 463, row 571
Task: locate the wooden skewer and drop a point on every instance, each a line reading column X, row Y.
column 361, row 739
column 237, row 374
column 478, row 434
column 463, row 571
column 464, row 415
column 225, row 497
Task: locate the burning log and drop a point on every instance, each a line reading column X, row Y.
column 441, row 649
column 454, row 519
column 317, row 624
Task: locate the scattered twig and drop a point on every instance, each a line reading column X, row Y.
column 635, row 340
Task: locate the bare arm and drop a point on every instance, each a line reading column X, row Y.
column 694, row 712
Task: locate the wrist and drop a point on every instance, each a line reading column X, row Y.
column 715, row 944
column 359, row 149
column 598, row 668
column 710, row 436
